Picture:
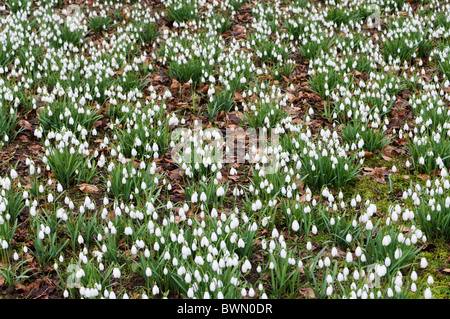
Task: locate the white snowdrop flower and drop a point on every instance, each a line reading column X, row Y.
column 349, row 257
column 329, row 290
column 423, row 263
column 295, row 225
column 397, row 253
column 334, row 252
column 13, row 174
column 386, row 240
column 116, row 272
column 155, row 290
column 430, row 280
column 308, row 245
column 220, row 191
column 128, row 230
column 320, row 263
column 66, row 294
column 427, row 293
column 387, row 261
column 190, row 292
column 275, row 233
column 329, row 279
column 348, row 238
column 390, row 293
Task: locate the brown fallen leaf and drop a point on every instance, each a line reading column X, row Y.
column 446, row 271
column 368, row 154
column 2, row 280
column 98, row 123
column 26, row 125
column 387, row 158
column 89, row 189
column 387, row 150
column 368, row 171
column 423, row 176
column 20, row 286
column 404, row 228
column 23, row 138
column 35, row 147
column 291, row 97
column 379, row 180
column 307, row 293
column 175, row 85
column 238, row 96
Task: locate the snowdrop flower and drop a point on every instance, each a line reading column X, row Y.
column 334, row 252
column 349, row 257
column 220, row 191
column 423, row 263
column 116, row 273
column 329, row 290
column 13, row 174
column 348, row 238
column 295, row 225
column 427, row 293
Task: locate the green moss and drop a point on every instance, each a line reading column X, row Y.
column 438, row 259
